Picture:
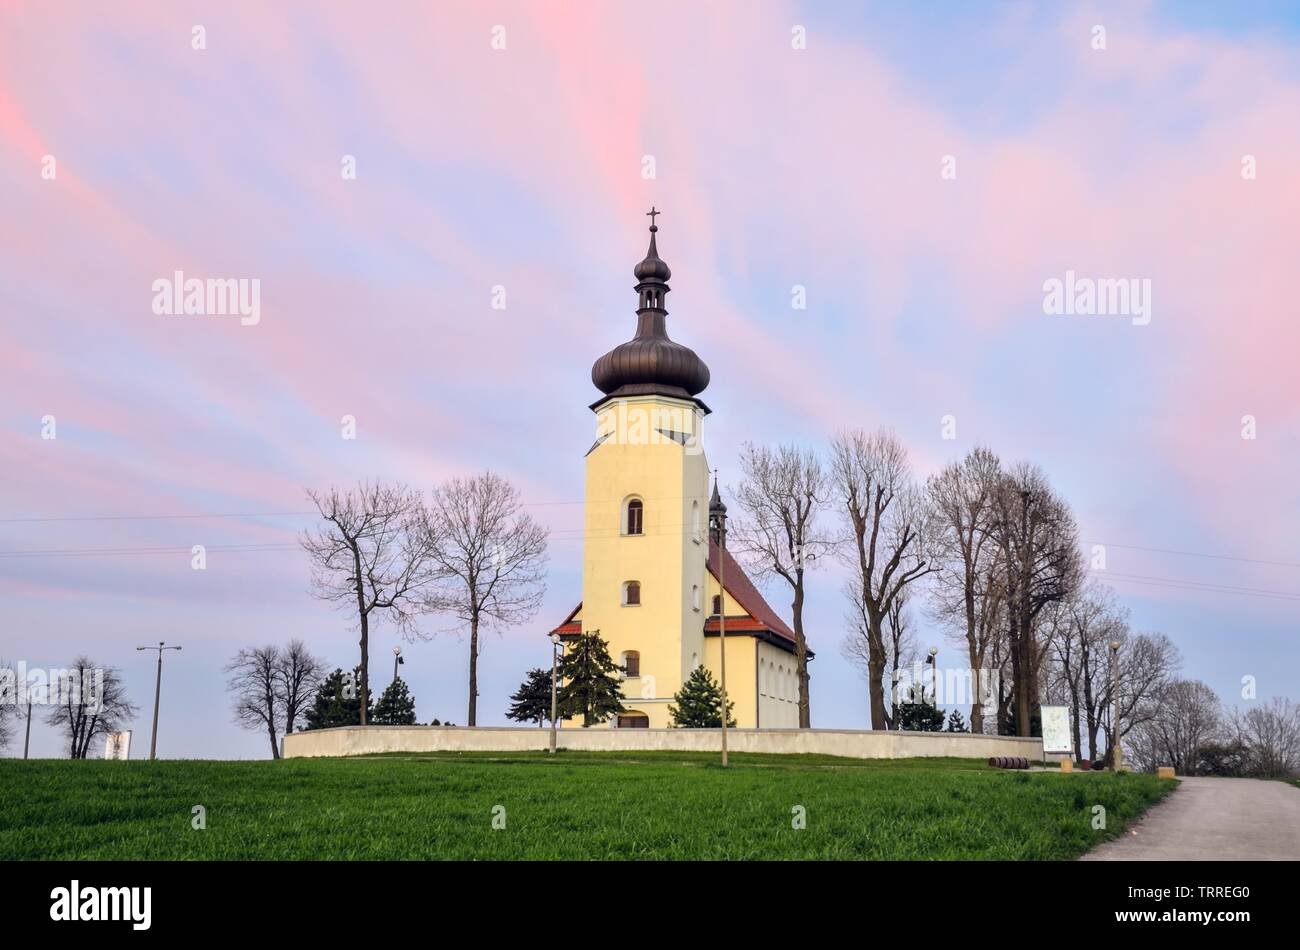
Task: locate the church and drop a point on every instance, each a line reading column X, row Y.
column 650, row 563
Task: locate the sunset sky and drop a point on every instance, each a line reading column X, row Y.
column 523, row 168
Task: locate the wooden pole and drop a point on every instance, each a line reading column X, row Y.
column 555, row 648
column 722, row 626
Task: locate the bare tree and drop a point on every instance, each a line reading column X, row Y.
column 897, row 637
column 1187, row 715
column 253, row 680
column 783, row 492
column 1147, row 663
column 298, row 675
column 1084, row 624
column 1272, row 735
column 89, row 700
column 965, row 594
column 492, row 556
column 371, row 556
column 9, row 711
column 886, row 550
column 272, row 685
column 1038, row 540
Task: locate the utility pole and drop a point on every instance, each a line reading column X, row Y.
column 555, row 651
column 718, row 524
column 27, row 742
column 1115, row 759
column 157, row 694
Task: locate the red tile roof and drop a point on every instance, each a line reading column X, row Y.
column 740, row 587
column 760, row 615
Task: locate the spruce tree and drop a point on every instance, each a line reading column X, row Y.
column 698, row 703
column 532, row 701
column 333, row 706
column 396, row 707
column 919, row 716
column 591, row 688
column 956, row 722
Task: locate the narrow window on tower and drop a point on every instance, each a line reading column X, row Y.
column 631, row 593
column 634, row 516
column 632, row 663
column 695, row 597
column 717, row 605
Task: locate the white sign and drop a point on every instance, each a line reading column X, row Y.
column 118, row 746
column 1056, row 729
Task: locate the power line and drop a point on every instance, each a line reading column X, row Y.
column 1217, row 557
column 246, row 514
column 576, row 534
column 1207, row 587
column 544, row 504
column 115, row 552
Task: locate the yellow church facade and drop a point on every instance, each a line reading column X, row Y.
column 650, row 564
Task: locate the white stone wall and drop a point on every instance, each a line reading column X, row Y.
column 856, row 744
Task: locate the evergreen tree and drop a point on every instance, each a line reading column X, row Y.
column 956, row 722
column 1010, row 727
column 919, row 716
column 396, row 707
column 337, row 702
column 532, row 701
column 591, row 685
column 698, row 703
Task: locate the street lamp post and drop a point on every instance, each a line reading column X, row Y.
column 555, row 653
column 157, row 694
column 1115, row 758
column 397, row 658
column 934, row 678
column 718, row 527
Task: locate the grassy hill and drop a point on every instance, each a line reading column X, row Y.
column 572, row 806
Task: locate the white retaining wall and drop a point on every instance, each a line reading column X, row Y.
column 855, row 744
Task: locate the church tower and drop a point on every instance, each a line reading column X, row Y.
column 650, row 567
column 646, row 541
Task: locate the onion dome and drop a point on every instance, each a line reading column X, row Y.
column 650, row 363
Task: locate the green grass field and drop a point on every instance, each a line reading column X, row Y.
column 572, row 806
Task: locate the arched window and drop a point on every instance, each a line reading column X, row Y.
column 763, row 677
column 695, row 521
column 695, row 661
column 632, row 663
column 717, row 604
column 635, row 521
column 695, row 597
column 631, row 593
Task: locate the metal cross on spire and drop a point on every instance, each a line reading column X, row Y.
column 651, row 215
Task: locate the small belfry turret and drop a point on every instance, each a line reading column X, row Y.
column 650, row 364
column 717, row 515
